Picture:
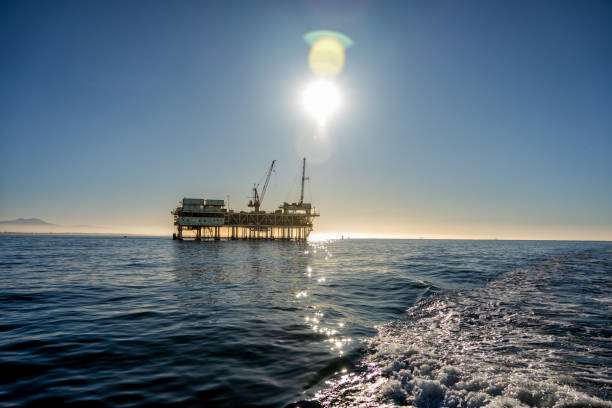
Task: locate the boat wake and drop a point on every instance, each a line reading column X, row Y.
column 537, row 337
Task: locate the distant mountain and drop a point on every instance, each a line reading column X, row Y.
column 26, row 221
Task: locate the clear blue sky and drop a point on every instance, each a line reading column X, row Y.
column 462, row 119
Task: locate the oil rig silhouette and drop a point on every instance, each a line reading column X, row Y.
column 209, row 219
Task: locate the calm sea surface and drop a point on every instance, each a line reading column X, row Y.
column 111, row 321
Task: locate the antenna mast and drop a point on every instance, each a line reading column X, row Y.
column 304, row 178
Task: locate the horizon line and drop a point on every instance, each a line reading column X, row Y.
column 316, row 238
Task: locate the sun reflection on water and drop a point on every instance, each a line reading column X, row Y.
column 315, row 317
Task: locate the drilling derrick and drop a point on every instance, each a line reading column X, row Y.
column 304, row 178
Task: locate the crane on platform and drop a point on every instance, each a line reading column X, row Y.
column 258, row 198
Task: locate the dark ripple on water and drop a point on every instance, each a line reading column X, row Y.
column 149, row 321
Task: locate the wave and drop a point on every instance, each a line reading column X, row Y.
column 537, row 336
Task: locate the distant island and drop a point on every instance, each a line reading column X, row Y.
column 26, row 221
column 39, row 226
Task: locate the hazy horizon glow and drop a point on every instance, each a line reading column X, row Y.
column 452, row 233
column 473, row 120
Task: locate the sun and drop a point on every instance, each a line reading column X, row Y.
column 321, row 99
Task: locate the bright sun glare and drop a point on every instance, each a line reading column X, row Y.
column 321, row 100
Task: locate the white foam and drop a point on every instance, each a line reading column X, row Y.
column 482, row 348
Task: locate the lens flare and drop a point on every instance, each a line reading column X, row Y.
column 314, row 36
column 327, row 52
column 321, row 99
column 326, row 57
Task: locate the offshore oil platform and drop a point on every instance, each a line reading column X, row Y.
column 209, row 219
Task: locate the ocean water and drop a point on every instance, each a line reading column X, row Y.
column 112, row 321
